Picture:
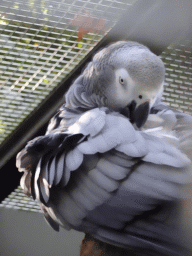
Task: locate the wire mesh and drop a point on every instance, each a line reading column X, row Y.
column 40, row 43
column 19, row 201
column 178, row 82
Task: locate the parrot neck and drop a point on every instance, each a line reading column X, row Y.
column 77, row 103
column 78, row 100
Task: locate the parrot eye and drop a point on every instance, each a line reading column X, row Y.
column 121, row 81
column 140, row 96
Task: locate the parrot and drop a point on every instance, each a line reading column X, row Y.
column 115, row 160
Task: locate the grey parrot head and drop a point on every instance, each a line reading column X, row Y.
column 125, row 77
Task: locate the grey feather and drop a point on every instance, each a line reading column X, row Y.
column 44, row 184
column 59, row 169
column 49, row 218
column 102, row 181
column 111, row 170
column 100, row 192
column 52, row 170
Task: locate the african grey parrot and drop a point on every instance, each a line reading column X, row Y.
column 113, row 161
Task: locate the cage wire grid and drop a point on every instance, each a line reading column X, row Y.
column 40, row 44
column 178, row 79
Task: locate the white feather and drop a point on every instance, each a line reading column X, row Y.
column 93, row 145
column 85, row 197
column 95, row 188
column 44, row 185
column 65, row 177
column 103, row 181
column 120, row 159
column 137, row 148
column 38, row 169
column 58, row 218
column 22, row 180
column 111, row 170
column 151, row 187
column 74, row 159
column 70, row 211
column 52, row 170
column 117, row 130
column 59, row 168
column 162, row 153
column 90, row 123
column 80, row 199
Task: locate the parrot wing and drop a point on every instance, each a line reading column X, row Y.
column 178, row 122
column 75, row 173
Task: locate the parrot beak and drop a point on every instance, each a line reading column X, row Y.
column 137, row 115
column 140, row 114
